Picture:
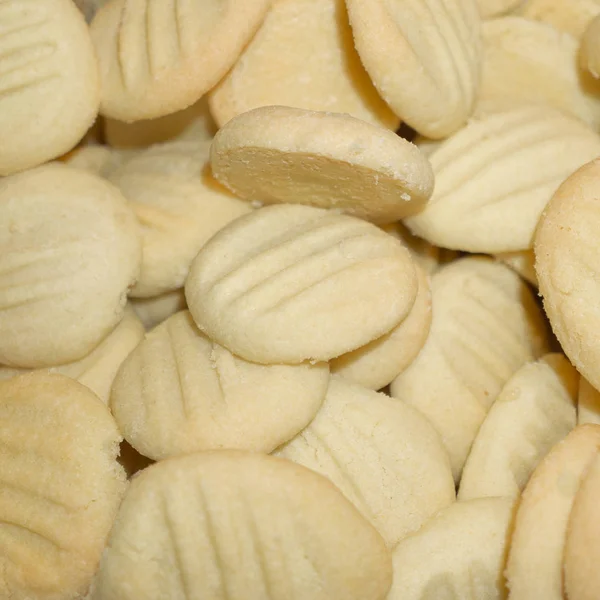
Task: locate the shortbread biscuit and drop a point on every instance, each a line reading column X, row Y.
column 69, row 251
column 536, row 554
column 485, row 326
column 533, row 412
column 302, row 56
column 157, row 58
column 179, row 393
column 589, row 53
column 423, row 57
column 279, row 154
column 60, row 486
column 588, row 403
column 381, row 453
column 49, row 82
column 179, row 206
column 458, row 554
column 241, row 526
column 155, row 310
column 522, row 262
column 425, row 255
column 289, row 283
column 572, row 17
column 495, row 8
column 567, row 255
column 494, row 177
column 379, row 362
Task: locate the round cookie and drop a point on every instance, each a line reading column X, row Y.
column 381, row 453
column 153, row 311
column 302, row 56
column 157, row 58
column 69, row 251
column 278, row 154
column 187, row 525
column 588, row 403
column 572, row 17
column 423, row 57
column 60, row 486
column 289, row 283
column 179, row 393
column 589, row 52
column 49, row 82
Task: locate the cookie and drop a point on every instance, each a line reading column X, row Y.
column 588, row 403
column 589, row 52
column 425, row 255
column 153, row 311
column 571, row 17
column 495, row 8
column 522, row 262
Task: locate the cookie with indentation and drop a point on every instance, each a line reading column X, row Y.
column 484, row 198
column 588, row 403
column 289, row 283
column 49, row 82
column 589, row 53
column 69, row 251
column 381, row 453
column 423, row 57
column 279, row 154
column 153, row 311
column 533, row 412
column 179, row 207
column 572, row 17
column 535, row 566
column 200, row 517
column 495, row 8
column 60, row 486
column 279, row 67
column 459, row 554
column 486, row 325
column 522, row 262
column 157, row 58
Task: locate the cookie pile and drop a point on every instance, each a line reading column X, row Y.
column 270, row 317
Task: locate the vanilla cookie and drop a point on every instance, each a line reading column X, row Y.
column 588, row 403
column 69, row 251
column 153, row 311
column 533, row 412
column 423, row 57
column 381, row 453
column 495, row 176
column 572, row 17
column 425, row 255
column 485, row 326
column 49, row 83
column 60, row 486
column 157, row 58
column 495, row 8
column 522, row 262
column 289, row 283
column 535, row 560
column 589, row 53
column 278, row 154
column 458, row 554
column 302, row 56
column 188, row 524
column 100, row 160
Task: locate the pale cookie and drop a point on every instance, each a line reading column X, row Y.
column 69, row 251
column 567, row 258
column 289, row 283
column 302, row 56
column 533, row 412
column 179, row 393
column 155, row 310
column 424, row 254
column 527, row 62
column 536, row 554
column 179, row 207
column 379, row 362
column 571, row 16
column 522, row 262
column 423, row 57
column 589, row 53
column 157, row 58
column 100, row 160
column 60, row 486
column 278, row 154
column 49, row 83
column 381, row 453
column 457, row 555
column 588, row 403
column 485, row 326
column 495, row 8
column 241, row 526
column 582, row 548
column 494, row 177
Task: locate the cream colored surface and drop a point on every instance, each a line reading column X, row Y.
column 179, row 207
column 60, row 486
column 157, row 58
column 99, row 160
column 522, row 262
column 588, row 403
column 89, row 7
column 381, row 453
column 494, row 177
column 187, row 524
column 49, row 82
column 589, row 52
column 571, row 16
column 495, row 8
column 424, row 254
column 179, row 393
column 567, row 255
column 289, row 283
column 280, row 154
column 459, row 554
column 534, row 411
column 302, row 56
column 485, row 326
column 423, row 56
column 155, row 310
column 69, row 251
